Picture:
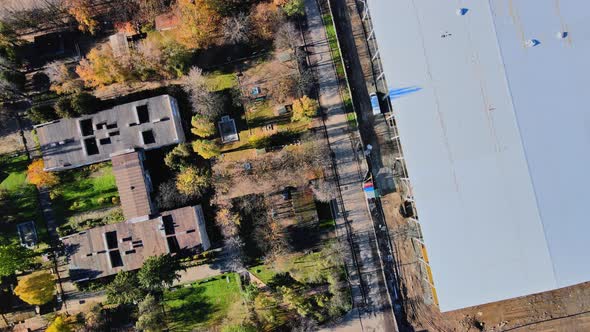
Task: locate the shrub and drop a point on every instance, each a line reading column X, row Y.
column 115, row 200
column 101, row 200
column 206, row 148
column 64, row 108
column 40, row 114
column 178, row 158
column 84, row 103
column 201, row 126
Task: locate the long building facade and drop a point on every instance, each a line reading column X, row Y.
column 489, row 101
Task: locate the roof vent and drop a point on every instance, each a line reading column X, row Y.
column 562, row 34
column 462, row 11
column 532, row 43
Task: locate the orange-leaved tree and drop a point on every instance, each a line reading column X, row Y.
column 39, row 177
column 265, row 19
column 198, row 23
column 100, row 67
column 82, row 12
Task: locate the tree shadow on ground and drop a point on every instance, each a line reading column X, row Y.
column 189, row 306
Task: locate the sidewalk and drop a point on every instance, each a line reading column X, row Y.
column 369, row 293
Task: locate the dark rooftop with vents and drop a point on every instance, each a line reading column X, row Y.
column 149, row 124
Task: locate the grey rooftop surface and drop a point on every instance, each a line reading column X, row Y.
column 70, row 143
column 106, row 250
column 490, row 102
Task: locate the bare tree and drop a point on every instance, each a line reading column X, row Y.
column 305, row 82
column 237, row 29
column 287, row 36
column 324, row 190
column 61, row 78
column 204, row 102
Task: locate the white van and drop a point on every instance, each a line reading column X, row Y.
column 375, row 104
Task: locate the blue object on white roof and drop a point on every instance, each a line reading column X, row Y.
column 496, row 142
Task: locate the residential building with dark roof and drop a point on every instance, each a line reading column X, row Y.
column 106, row 250
column 134, row 184
column 148, row 124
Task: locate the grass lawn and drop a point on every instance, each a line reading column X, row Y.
column 84, row 189
column 204, row 304
column 263, row 272
column 333, row 40
column 20, row 203
column 217, row 81
column 327, row 224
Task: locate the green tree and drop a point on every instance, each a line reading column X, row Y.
column 14, row 258
column 151, row 317
column 84, row 103
column 124, row 289
column 41, row 114
column 36, row 288
column 202, row 126
column 206, row 148
column 158, row 272
column 294, row 8
column 192, row 181
column 64, row 108
column 179, row 157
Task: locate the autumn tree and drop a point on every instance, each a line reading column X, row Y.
column 37, row 288
column 304, row 108
column 265, row 19
column 236, row 29
column 60, row 324
column 124, row 289
column 83, row 12
column 179, row 157
column 192, row 181
column 151, row 318
column 206, row 148
column 198, row 23
column 160, row 55
column 204, row 102
column 227, row 221
column 62, row 78
column 100, row 67
column 202, row 126
column 147, row 10
column 39, row 177
column 14, row 258
column 158, row 272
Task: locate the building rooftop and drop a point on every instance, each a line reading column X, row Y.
column 495, row 137
column 167, row 21
column 106, row 250
column 134, row 185
column 148, row 124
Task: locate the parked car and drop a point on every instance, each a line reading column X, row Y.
column 375, row 103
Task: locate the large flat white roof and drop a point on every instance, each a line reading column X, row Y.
column 496, row 134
